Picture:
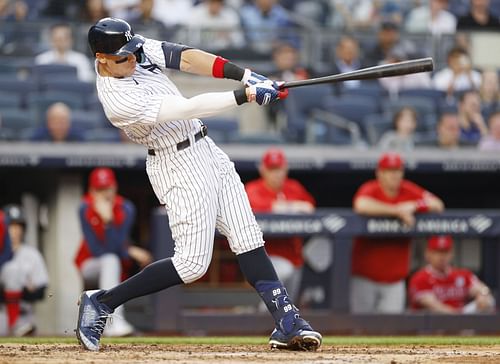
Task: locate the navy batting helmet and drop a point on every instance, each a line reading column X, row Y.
column 15, row 214
column 114, row 36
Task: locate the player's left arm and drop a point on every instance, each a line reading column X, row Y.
column 481, row 294
column 203, row 63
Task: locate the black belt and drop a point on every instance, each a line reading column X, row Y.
column 186, row 143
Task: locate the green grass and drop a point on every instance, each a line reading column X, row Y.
column 259, row 340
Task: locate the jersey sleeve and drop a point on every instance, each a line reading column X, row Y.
column 415, row 190
column 365, row 190
column 258, row 201
column 418, row 286
column 164, row 54
column 125, row 109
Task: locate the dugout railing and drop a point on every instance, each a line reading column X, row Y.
column 175, row 309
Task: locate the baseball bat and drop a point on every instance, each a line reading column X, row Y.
column 385, row 70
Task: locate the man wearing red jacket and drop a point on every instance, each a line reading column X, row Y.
column 380, row 265
column 106, row 219
column 275, row 192
column 439, row 287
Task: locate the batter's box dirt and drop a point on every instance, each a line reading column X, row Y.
column 247, row 354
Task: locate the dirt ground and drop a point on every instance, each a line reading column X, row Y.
column 247, row 354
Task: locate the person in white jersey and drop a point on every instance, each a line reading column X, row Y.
column 23, row 279
column 190, row 175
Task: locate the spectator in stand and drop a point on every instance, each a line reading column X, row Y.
column 380, row 265
column 58, row 126
column 24, row 278
column 93, row 10
column 448, row 131
column 431, row 18
column 172, row 13
column 352, row 15
column 120, row 8
column 458, row 75
column 388, row 37
column 264, row 23
column 215, row 25
column 274, row 192
column 61, row 39
column 105, row 252
column 402, row 137
column 142, row 15
column 472, row 124
column 287, row 67
column 441, row 288
column 397, row 83
column 347, row 59
column 490, row 91
column 479, row 18
column 491, row 141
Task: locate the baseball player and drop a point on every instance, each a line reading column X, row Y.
column 24, row 278
column 275, row 192
column 190, row 175
column 439, row 287
column 380, row 265
column 105, row 252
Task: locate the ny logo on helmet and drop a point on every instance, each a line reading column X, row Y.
column 128, row 35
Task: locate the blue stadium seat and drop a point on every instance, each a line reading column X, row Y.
column 20, row 87
column 299, row 107
column 39, row 102
column 16, row 120
column 372, row 89
column 102, row 135
column 221, row 129
column 84, row 89
column 9, row 100
column 432, row 95
column 375, row 125
column 84, row 119
column 421, row 104
column 45, row 71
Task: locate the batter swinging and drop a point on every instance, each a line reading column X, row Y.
column 190, row 175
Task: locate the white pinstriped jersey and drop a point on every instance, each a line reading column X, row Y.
column 198, row 185
column 132, row 103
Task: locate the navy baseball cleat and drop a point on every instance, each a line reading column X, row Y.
column 301, row 338
column 92, row 316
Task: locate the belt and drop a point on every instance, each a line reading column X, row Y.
column 186, row 143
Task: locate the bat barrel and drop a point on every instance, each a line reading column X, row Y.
column 385, row 70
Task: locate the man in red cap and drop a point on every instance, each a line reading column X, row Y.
column 275, row 192
column 380, row 265
column 106, row 219
column 439, row 287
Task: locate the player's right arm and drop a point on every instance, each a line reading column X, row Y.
column 89, row 234
column 431, row 303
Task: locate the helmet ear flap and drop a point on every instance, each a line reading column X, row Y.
column 139, row 55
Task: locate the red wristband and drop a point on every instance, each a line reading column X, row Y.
column 422, row 206
column 218, row 67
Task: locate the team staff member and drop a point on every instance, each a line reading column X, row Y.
column 105, row 252
column 275, row 192
column 439, row 287
column 190, row 175
column 380, row 265
column 24, row 278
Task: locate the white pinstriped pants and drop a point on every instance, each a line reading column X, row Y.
column 201, row 191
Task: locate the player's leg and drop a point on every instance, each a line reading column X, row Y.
column 12, row 278
column 189, row 193
column 363, row 295
column 107, row 271
column 237, row 222
column 392, row 298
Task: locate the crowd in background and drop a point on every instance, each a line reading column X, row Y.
column 280, row 39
